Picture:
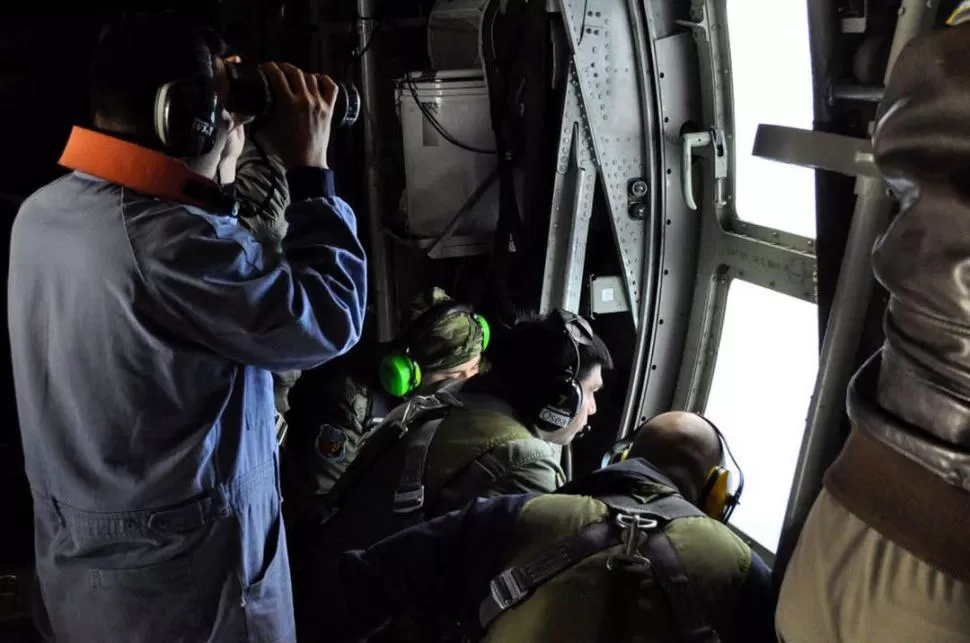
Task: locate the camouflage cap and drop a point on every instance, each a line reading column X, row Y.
column 450, row 342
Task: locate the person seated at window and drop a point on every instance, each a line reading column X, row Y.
column 335, row 405
column 500, row 434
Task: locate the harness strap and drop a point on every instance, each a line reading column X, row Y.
column 672, row 577
column 513, row 585
column 377, row 442
column 666, row 508
column 409, row 496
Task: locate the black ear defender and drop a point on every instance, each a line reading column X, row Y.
column 186, row 116
column 187, row 111
column 567, row 395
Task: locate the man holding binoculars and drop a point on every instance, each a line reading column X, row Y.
column 145, row 322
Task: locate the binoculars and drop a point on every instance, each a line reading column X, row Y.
column 250, row 93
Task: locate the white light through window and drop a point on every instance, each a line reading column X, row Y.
column 763, row 380
column 772, row 78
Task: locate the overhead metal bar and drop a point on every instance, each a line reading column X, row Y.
column 822, row 30
column 861, row 93
column 817, row 150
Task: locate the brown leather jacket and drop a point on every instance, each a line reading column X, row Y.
column 906, row 468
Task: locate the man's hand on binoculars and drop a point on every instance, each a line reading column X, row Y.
column 299, row 128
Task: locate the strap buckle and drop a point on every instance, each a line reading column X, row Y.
column 506, row 590
column 409, row 500
column 634, row 526
column 281, row 428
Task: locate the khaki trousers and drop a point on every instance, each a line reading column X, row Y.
column 846, row 583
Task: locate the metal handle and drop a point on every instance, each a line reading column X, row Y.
column 715, row 139
column 690, row 141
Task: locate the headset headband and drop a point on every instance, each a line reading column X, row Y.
column 429, row 319
column 578, row 331
column 717, row 476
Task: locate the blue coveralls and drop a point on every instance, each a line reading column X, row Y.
column 143, row 336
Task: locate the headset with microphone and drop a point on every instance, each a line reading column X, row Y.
column 567, row 398
column 398, row 372
column 717, row 499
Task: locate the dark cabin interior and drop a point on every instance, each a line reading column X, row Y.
column 42, row 94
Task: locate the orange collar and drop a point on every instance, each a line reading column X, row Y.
column 140, row 169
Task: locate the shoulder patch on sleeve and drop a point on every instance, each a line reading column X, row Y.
column 331, row 443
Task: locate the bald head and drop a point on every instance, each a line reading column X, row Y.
column 684, row 446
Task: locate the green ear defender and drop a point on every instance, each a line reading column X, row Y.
column 486, row 330
column 398, row 372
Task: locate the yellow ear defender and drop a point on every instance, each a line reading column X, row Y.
column 717, row 501
column 617, row 453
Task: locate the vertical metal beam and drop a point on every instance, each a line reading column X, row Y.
column 843, row 332
column 644, row 60
column 572, row 209
column 822, row 28
column 380, row 286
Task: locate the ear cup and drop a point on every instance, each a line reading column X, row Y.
column 186, row 113
column 567, row 399
column 399, row 374
column 617, row 453
column 486, row 330
column 716, row 497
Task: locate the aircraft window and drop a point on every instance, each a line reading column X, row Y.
column 772, row 78
column 763, row 380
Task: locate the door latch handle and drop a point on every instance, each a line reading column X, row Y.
column 690, row 140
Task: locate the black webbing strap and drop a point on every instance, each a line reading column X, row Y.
column 377, row 445
column 667, row 569
column 670, row 574
column 513, row 585
column 664, row 508
column 409, row 495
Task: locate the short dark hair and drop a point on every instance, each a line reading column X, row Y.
column 140, row 52
column 534, row 353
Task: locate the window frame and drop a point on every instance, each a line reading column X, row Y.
column 730, row 247
column 723, row 287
